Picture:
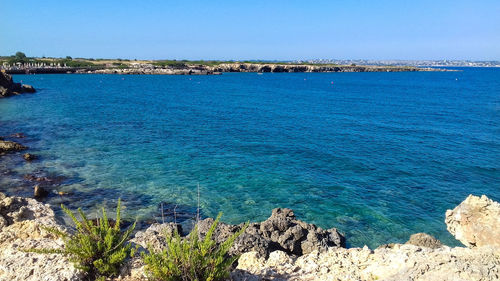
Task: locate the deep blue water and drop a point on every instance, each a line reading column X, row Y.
column 378, row 155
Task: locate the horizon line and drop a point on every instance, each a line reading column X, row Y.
column 254, row 59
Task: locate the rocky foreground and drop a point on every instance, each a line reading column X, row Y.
column 279, row 248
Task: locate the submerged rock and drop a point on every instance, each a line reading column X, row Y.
column 29, row 157
column 424, row 240
column 41, row 177
column 18, row 135
column 39, row 192
column 475, row 222
column 178, row 213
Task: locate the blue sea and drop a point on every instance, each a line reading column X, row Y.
column 377, row 155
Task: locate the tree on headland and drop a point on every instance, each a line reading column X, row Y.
column 19, row 57
column 69, row 58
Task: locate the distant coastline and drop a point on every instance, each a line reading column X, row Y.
column 200, row 69
column 21, row 64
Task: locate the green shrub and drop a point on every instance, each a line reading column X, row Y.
column 191, row 258
column 97, row 248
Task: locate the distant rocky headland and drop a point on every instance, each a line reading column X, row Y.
column 25, row 65
column 9, row 88
column 200, row 69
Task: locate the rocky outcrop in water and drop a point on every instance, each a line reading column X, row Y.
column 9, row 88
column 29, row 157
column 10, row 146
column 475, row 222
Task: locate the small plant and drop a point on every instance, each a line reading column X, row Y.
column 191, row 258
column 97, row 248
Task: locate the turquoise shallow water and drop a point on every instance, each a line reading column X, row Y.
column 377, row 155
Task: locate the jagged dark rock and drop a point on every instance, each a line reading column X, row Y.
column 173, row 212
column 40, row 192
column 282, row 231
column 43, row 179
column 27, row 89
column 9, row 88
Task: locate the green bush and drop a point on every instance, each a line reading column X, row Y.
column 19, row 57
column 191, row 258
column 97, row 248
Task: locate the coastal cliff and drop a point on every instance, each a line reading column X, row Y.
column 189, row 69
column 321, row 256
column 249, row 67
column 209, row 69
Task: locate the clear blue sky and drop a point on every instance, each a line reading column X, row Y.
column 271, row 29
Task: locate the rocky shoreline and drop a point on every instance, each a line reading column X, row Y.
column 279, row 248
column 200, row 69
